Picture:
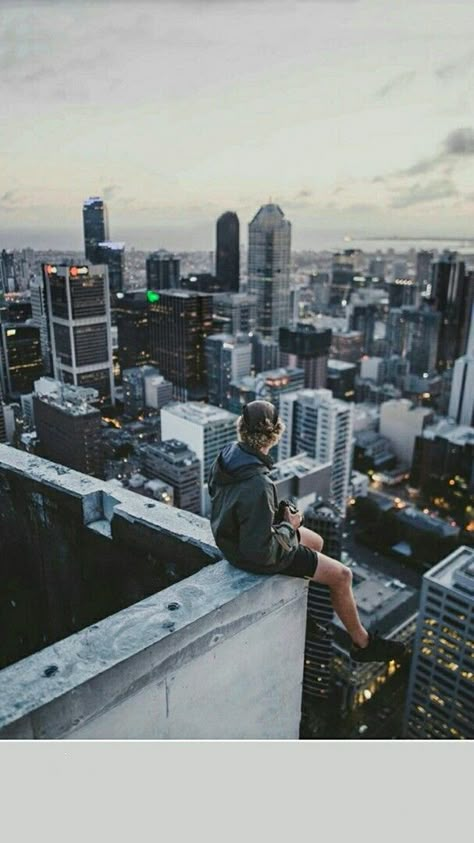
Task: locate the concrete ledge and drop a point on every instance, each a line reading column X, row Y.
column 218, row 655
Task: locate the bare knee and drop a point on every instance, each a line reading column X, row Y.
column 343, row 577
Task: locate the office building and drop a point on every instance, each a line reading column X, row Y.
column 69, row 427
column 266, row 353
column 158, row 391
column 301, row 478
column 228, row 251
column 443, row 465
column 401, row 422
column 228, row 359
column 322, row 427
column 452, row 296
column 362, row 315
column 162, row 271
column 173, row 462
column 306, row 347
column 21, row 360
column 96, row 228
column 402, row 292
column 269, row 268
column 112, row 255
column 340, row 379
column 205, row 430
column 39, row 314
column 238, row 309
column 413, row 333
column 180, row 321
column 319, row 651
column 461, row 403
column 423, row 272
column 347, row 345
column 440, row 700
column 133, row 336
column 78, row 304
column 7, row 422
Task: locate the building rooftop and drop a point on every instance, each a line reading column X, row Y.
column 458, row 434
column 456, row 571
column 340, row 365
column 111, row 244
column 199, row 413
column 92, row 200
column 379, row 597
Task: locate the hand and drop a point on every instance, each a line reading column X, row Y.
column 294, row 519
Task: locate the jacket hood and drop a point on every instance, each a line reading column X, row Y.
column 237, row 462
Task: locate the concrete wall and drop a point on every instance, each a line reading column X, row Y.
column 216, row 656
column 72, row 552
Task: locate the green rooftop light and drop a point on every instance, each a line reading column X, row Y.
column 152, row 296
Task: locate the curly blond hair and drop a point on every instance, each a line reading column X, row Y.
column 265, row 435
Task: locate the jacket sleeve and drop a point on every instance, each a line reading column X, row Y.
column 259, row 543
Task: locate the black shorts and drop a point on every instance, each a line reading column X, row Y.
column 303, row 563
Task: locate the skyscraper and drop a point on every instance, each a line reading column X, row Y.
column 96, row 227
column 440, row 701
column 162, row 271
column 306, row 347
column 112, row 255
column 204, row 429
column 40, row 319
column 452, row 297
column 412, row 333
column 228, row 358
column 362, row 316
column 322, row 427
column 269, row 268
column 78, row 304
column 228, row 251
column 179, row 324
column 21, row 362
column 131, row 316
column 461, row 404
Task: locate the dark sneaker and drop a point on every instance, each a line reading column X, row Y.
column 378, row 650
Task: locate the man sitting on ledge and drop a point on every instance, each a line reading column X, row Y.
column 243, row 506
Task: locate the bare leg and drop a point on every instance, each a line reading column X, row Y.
column 338, row 578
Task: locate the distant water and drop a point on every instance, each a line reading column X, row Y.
column 335, row 241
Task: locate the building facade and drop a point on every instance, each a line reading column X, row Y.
column 96, row 227
column 269, row 268
column 228, row 251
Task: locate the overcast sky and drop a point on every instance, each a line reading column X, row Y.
column 355, row 116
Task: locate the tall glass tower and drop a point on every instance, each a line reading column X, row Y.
column 269, row 269
column 228, row 252
column 96, row 227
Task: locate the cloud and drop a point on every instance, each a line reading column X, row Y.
column 398, row 82
column 421, row 193
column 460, row 142
column 455, row 68
column 110, row 191
column 304, row 194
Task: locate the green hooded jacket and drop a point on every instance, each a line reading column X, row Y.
column 243, row 506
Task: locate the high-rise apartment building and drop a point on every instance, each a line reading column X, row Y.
column 461, row 403
column 205, row 430
column 362, row 316
column 112, row 255
column 78, row 305
column 21, row 361
column 68, row 428
column 440, row 700
column 162, row 271
column 96, row 228
column 228, row 358
column 228, row 252
column 180, row 321
column 306, row 347
column 173, row 462
column 321, row 426
column 269, row 268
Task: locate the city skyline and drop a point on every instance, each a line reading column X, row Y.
column 354, row 116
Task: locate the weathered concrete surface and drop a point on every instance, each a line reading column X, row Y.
column 219, row 655
column 72, row 553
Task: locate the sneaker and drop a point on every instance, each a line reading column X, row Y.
column 378, row 650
